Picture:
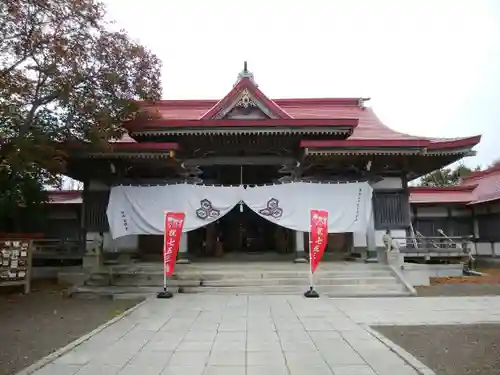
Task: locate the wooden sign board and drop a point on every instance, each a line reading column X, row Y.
column 15, row 263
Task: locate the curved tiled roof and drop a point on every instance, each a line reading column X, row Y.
column 480, row 187
column 488, row 185
column 370, row 127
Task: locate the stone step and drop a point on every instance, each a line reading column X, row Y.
column 331, row 291
column 344, row 290
column 131, row 281
column 247, row 274
column 302, row 281
column 137, row 282
column 331, row 279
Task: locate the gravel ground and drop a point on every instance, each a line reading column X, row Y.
column 451, row 350
column 34, row 325
column 457, row 290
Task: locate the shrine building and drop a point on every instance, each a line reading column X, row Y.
column 246, row 140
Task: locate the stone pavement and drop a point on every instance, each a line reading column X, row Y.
column 217, row 334
column 421, row 311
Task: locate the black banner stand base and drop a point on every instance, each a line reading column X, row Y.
column 311, row 293
column 164, row 295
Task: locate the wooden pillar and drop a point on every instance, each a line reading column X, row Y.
column 280, row 239
column 300, row 254
column 371, row 244
column 210, row 239
column 182, row 257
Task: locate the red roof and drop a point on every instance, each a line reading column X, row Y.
column 369, row 127
column 65, row 196
column 488, row 185
column 248, row 84
column 436, row 195
column 480, row 187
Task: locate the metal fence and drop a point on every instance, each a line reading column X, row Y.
column 436, row 246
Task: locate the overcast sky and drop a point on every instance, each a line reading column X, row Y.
column 431, row 67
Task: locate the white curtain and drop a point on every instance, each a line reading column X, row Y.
column 141, row 209
column 288, row 205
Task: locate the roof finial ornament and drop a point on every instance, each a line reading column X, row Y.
column 245, row 74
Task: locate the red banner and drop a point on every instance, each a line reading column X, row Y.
column 174, row 221
column 318, row 236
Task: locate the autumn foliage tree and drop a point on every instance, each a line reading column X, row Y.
column 65, row 75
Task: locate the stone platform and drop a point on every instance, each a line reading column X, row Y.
column 334, row 279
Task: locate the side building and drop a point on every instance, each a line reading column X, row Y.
column 470, row 209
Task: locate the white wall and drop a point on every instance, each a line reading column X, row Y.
column 359, row 239
column 125, row 244
column 388, row 183
column 496, row 248
column 420, row 274
column 483, row 248
column 433, row 211
column 487, row 249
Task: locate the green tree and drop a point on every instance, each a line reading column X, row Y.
column 447, row 176
column 495, row 163
column 64, row 76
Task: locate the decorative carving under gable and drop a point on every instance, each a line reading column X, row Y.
column 246, row 100
column 250, row 113
column 246, row 106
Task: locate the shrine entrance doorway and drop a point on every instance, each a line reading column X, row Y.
column 241, row 231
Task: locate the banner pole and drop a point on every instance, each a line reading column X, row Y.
column 311, row 276
column 165, row 294
column 311, row 293
column 164, row 278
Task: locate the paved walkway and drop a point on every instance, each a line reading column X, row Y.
column 237, row 335
column 421, row 311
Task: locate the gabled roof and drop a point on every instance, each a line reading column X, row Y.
column 369, row 126
column 479, row 187
column 366, row 132
column 245, row 92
